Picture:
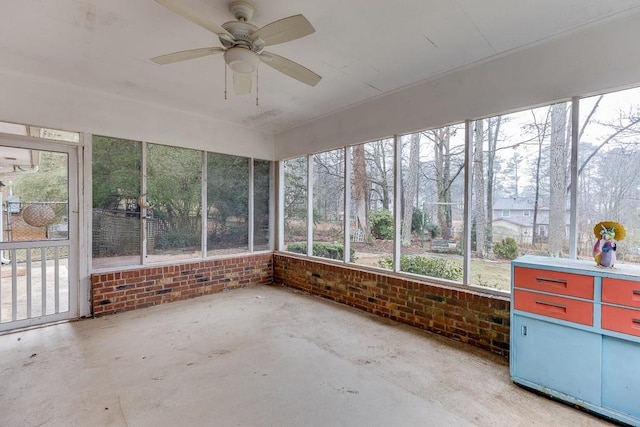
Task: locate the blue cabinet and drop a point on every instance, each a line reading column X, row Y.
column 621, row 385
column 575, row 333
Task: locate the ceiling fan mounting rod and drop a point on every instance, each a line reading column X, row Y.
column 242, row 10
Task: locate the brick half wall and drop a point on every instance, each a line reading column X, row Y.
column 132, row 289
column 469, row 316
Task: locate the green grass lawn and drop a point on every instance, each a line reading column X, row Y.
column 495, row 274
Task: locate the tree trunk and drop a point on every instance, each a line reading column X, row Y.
column 478, row 178
column 558, row 179
column 442, row 161
column 360, row 189
column 541, row 133
column 491, row 156
column 410, row 188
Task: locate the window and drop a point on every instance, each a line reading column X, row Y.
column 295, row 205
column 116, row 213
column 521, row 190
column 328, row 204
column 432, row 200
column 227, row 204
column 521, row 163
column 262, row 190
column 174, row 197
column 372, row 200
column 609, row 190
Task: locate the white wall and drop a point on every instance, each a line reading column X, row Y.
column 595, row 60
column 42, row 102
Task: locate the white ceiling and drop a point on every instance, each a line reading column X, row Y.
column 361, row 48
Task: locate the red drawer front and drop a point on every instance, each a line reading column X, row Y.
column 623, row 292
column 575, row 285
column 552, row 306
column 623, row 320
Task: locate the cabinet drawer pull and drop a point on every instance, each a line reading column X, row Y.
column 635, row 295
column 551, row 280
column 636, row 323
column 552, row 306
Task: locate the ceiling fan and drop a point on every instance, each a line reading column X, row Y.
column 243, row 44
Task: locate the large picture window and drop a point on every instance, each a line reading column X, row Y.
column 137, row 183
column 116, row 217
column 521, row 181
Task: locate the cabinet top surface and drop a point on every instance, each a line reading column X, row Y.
column 621, row 270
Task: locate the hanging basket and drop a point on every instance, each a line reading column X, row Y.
column 38, row 215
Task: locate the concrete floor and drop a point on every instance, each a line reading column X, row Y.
column 264, row 356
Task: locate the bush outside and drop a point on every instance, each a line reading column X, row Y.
column 322, row 249
column 381, row 223
column 507, row 248
column 433, row 267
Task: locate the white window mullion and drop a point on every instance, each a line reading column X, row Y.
column 468, row 174
column 205, row 204
column 347, row 204
column 309, row 205
column 143, row 209
column 397, row 201
column 85, row 226
column 250, row 201
column 280, row 201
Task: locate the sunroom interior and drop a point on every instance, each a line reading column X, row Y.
column 443, row 141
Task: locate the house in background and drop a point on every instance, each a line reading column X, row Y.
column 513, row 217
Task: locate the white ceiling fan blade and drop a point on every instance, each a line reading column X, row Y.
column 290, row 68
column 284, row 30
column 183, row 55
column 192, row 16
column 242, row 83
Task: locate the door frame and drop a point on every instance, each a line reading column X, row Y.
column 77, row 306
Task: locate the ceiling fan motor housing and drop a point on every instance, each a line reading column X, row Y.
column 241, row 59
column 241, row 31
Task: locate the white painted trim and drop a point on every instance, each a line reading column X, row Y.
column 309, row 158
column 280, row 201
column 250, row 222
column 272, row 204
column 397, row 202
column 205, row 204
column 85, row 171
column 143, row 209
column 573, row 195
column 347, row 204
column 468, row 184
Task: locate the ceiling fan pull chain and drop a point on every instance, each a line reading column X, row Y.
column 225, row 81
column 257, row 86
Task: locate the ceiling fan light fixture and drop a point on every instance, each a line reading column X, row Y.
column 241, row 60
